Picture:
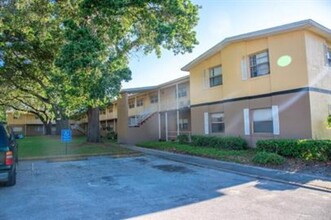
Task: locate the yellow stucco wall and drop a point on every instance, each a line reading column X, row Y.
column 319, row 77
column 280, row 78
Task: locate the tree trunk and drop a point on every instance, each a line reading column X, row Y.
column 93, row 129
column 61, row 124
column 48, row 128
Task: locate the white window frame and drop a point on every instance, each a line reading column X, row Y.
column 131, row 103
column 154, row 98
column 221, row 114
column 328, row 56
column 183, row 124
column 140, row 102
column 214, row 75
column 254, row 120
column 182, row 91
column 256, row 61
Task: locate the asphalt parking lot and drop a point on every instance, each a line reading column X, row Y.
column 148, row 187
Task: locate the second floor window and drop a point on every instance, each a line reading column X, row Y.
column 131, row 103
column 182, row 91
column 154, row 98
column 328, row 56
column 259, row 64
column 140, row 102
column 215, row 76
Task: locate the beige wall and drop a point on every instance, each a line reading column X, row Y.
column 24, row 118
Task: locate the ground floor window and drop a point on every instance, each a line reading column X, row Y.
column 262, row 121
column 217, row 122
column 183, row 124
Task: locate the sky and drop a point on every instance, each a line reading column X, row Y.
column 220, row 19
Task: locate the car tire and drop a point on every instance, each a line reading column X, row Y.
column 12, row 178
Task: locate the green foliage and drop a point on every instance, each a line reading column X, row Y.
column 265, row 158
column 233, row 143
column 240, row 156
column 315, row 149
column 284, row 147
column 111, row 135
column 305, row 149
column 328, row 121
column 183, row 139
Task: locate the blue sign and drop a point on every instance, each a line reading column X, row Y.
column 66, row 135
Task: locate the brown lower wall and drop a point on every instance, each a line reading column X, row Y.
column 30, row 130
column 147, row 131
column 294, row 116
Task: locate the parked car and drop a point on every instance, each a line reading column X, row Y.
column 8, row 155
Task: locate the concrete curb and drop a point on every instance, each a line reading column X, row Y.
column 292, row 178
column 78, row 157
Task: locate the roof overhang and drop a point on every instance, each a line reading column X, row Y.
column 305, row 24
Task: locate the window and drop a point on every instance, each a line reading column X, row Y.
column 262, row 121
column 131, row 103
column 154, row 98
column 111, row 109
column 183, row 124
column 328, row 56
column 259, row 64
column 217, row 122
column 140, row 102
column 215, row 76
column 182, row 91
column 102, row 112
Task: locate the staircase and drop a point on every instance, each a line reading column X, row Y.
column 78, row 128
column 139, row 120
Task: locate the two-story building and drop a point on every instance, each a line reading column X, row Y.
column 272, row 83
column 26, row 123
column 154, row 113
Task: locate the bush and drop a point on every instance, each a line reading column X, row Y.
column 304, row 149
column 265, row 158
column 232, row 143
column 284, row 147
column 315, row 149
column 183, row 139
column 111, row 135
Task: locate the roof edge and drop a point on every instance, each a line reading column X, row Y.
column 256, row 34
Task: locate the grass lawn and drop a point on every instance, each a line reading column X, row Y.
column 48, row 146
column 239, row 156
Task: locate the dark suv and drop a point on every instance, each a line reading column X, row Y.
column 8, row 156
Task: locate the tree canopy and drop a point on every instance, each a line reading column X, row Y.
column 73, row 55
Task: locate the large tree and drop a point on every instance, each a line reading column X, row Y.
column 100, row 36
column 30, row 38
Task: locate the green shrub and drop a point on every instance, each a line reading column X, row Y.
column 231, row 143
column 265, row 158
column 315, row 149
column 111, row 135
column 284, row 147
column 328, row 121
column 304, row 149
column 183, row 139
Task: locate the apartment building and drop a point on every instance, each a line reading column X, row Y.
column 26, row 123
column 154, row 113
column 272, row 83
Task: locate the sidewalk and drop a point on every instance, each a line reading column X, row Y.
column 298, row 179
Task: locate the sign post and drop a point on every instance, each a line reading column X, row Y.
column 66, row 137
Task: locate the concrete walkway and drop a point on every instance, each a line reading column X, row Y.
column 293, row 178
